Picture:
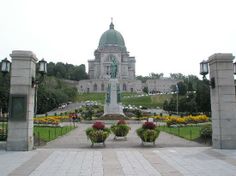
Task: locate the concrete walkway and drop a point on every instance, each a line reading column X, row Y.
column 190, row 161
column 71, row 155
column 78, row 139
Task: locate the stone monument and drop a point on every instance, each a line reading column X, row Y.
column 223, row 103
column 21, row 109
column 113, row 97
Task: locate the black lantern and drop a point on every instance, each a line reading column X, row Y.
column 5, row 66
column 42, row 66
column 204, row 68
column 42, row 70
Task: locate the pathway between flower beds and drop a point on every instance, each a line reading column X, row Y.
column 78, row 139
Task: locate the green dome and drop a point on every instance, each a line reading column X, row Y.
column 111, row 37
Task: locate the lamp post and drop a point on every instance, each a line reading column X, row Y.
column 5, row 68
column 177, row 101
column 204, row 68
column 35, row 82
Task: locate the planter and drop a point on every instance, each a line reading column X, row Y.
column 98, row 133
column 148, row 133
column 121, row 129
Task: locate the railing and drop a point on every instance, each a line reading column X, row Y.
column 3, row 127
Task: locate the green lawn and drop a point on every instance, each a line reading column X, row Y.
column 99, row 97
column 50, row 133
column 147, row 101
column 187, row 132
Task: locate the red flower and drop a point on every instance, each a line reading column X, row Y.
column 121, row 122
column 98, row 125
column 149, row 125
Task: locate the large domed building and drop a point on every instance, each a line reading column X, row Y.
column 111, row 46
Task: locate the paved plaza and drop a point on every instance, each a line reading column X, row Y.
column 71, row 155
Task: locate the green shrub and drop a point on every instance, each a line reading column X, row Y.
column 206, row 131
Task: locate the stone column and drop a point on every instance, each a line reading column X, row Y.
column 21, row 109
column 223, row 104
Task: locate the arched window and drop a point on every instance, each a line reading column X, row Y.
column 132, row 89
column 95, row 87
column 124, row 87
column 102, row 87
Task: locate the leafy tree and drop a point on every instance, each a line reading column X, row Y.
column 203, row 96
column 177, row 76
column 156, row 75
column 53, row 92
column 50, row 69
column 145, row 90
column 142, row 78
column 197, row 99
column 182, row 88
column 60, row 70
column 67, row 71
column 4, row 91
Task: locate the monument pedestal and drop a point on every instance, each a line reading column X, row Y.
column 112, row 105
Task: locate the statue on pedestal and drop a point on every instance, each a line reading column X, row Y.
column 114, row 68
column 108, row 97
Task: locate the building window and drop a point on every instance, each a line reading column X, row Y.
column 102, row 87
column 132, row 90
column 124, row 87
column 108, row 71
column 95, row 87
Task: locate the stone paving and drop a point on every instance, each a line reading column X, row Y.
column 190, row 161
column 78, row 139
column 71, row 155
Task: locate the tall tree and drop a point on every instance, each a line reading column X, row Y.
column 177, row 76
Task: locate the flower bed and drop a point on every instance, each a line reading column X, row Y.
column 51, row 120
column 121, row 129
column 98, row 133
column 173, row 120
column 148, row 132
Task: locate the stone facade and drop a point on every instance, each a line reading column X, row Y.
column 100, row 67
column 100, row 85
column 160, row 85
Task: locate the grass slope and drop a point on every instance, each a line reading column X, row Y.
column 147, row 101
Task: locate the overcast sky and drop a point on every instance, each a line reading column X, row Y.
column 167, row 36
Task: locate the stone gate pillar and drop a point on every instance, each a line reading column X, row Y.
column 21, row 108
column 223, row 104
